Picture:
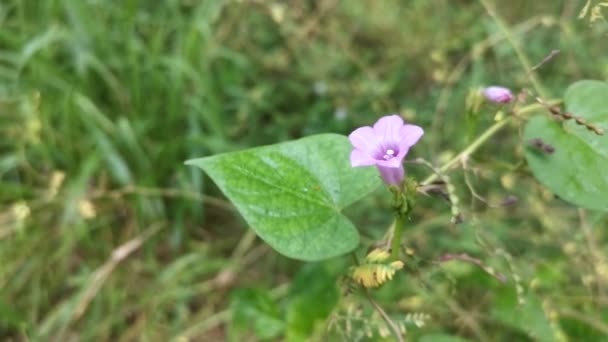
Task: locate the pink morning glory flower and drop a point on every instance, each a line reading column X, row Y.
column 498, row 94
column 384, row 145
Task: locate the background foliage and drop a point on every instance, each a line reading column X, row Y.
column 106, row 235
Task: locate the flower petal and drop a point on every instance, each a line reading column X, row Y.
column 410, row 134
column 364, row 139
column 387, row 129
column 393, row 162
column 360, row 158
column 402, row 153
column 392, row 175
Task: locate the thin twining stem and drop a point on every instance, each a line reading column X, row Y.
column 469, row 150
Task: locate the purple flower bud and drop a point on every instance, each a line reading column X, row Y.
column 498, row 94
column 384, row 145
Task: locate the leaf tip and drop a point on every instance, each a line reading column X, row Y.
column 194, row 162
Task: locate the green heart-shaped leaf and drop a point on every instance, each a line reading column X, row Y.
column 577, row 170
column 292, row 193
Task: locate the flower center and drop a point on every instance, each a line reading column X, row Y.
column 389, row 154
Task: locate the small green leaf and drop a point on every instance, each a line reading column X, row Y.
column 253, row 311
column 292, row 193
column 576, row 170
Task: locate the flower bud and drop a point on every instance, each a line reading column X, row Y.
column 498, row 94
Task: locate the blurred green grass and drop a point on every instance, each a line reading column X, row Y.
column 106, row 235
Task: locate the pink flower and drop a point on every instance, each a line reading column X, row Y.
column 498, row 94
column 385, row 145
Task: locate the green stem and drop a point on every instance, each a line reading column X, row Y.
column 470, row 149
column 484, row 137
column 397, row 233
